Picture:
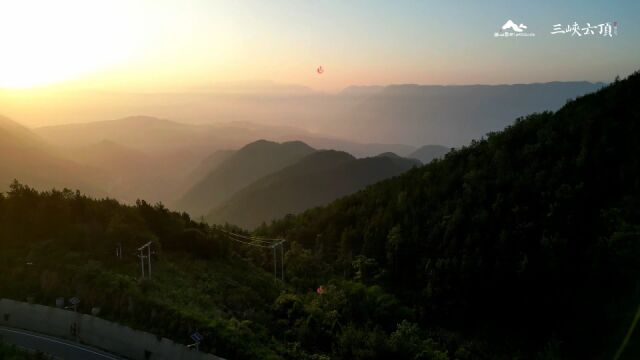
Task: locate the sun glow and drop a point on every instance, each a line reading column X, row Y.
column 45, row 42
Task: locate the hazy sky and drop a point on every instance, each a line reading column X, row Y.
column 175, row 44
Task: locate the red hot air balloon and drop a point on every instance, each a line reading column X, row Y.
column 320, row 70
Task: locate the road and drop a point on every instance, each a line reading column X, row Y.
column 53, row 346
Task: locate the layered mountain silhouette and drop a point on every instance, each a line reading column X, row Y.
column 158, row 160
column 354, row 148
column 150, row 134
column 153, row 135
column 449, row 115
column 25, row 157
column 243, row 167
column 315, row 180
column 133, row 174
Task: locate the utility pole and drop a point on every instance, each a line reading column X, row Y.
column 282, row 263
column 275, row 247
column 142, row 256
column 275, row 269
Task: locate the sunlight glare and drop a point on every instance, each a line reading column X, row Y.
column 48, row 42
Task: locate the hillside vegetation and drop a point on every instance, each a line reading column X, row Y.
column 528, row 238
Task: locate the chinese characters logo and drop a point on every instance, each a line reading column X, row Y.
column 607, row 29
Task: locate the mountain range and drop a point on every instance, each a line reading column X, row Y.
column 315, row 180
column 143, row 157
column 25, row 157
column 451, row 115
column 157, row 159
column 163, row 161
column 240, row 169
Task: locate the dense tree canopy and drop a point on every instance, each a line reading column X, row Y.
column 528, row 237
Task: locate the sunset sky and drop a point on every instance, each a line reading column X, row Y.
column 182, row 44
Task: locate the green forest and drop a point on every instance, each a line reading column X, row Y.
column 523, row 245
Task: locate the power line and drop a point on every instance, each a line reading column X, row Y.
column 245, row 240
column 262, row 242
column 249, row 243
column 250, row 237
column 264, row 238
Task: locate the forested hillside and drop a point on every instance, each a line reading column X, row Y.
column 528, row 239
column 63, row 244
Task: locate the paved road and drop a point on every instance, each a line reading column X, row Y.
column 53, row 346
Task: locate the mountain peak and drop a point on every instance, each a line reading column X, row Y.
column 252, row 161
column 144, row 120
column 389, row 154
column 263, row 144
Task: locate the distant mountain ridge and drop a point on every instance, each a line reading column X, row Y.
column 315, row 180
column 451, row 114
column 176, row 155
column 14, row 134
column 243, row 167
column 25, row 157
column 150, row 133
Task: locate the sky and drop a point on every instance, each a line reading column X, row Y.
column 173, row 45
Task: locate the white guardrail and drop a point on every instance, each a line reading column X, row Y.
column 93, row 331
